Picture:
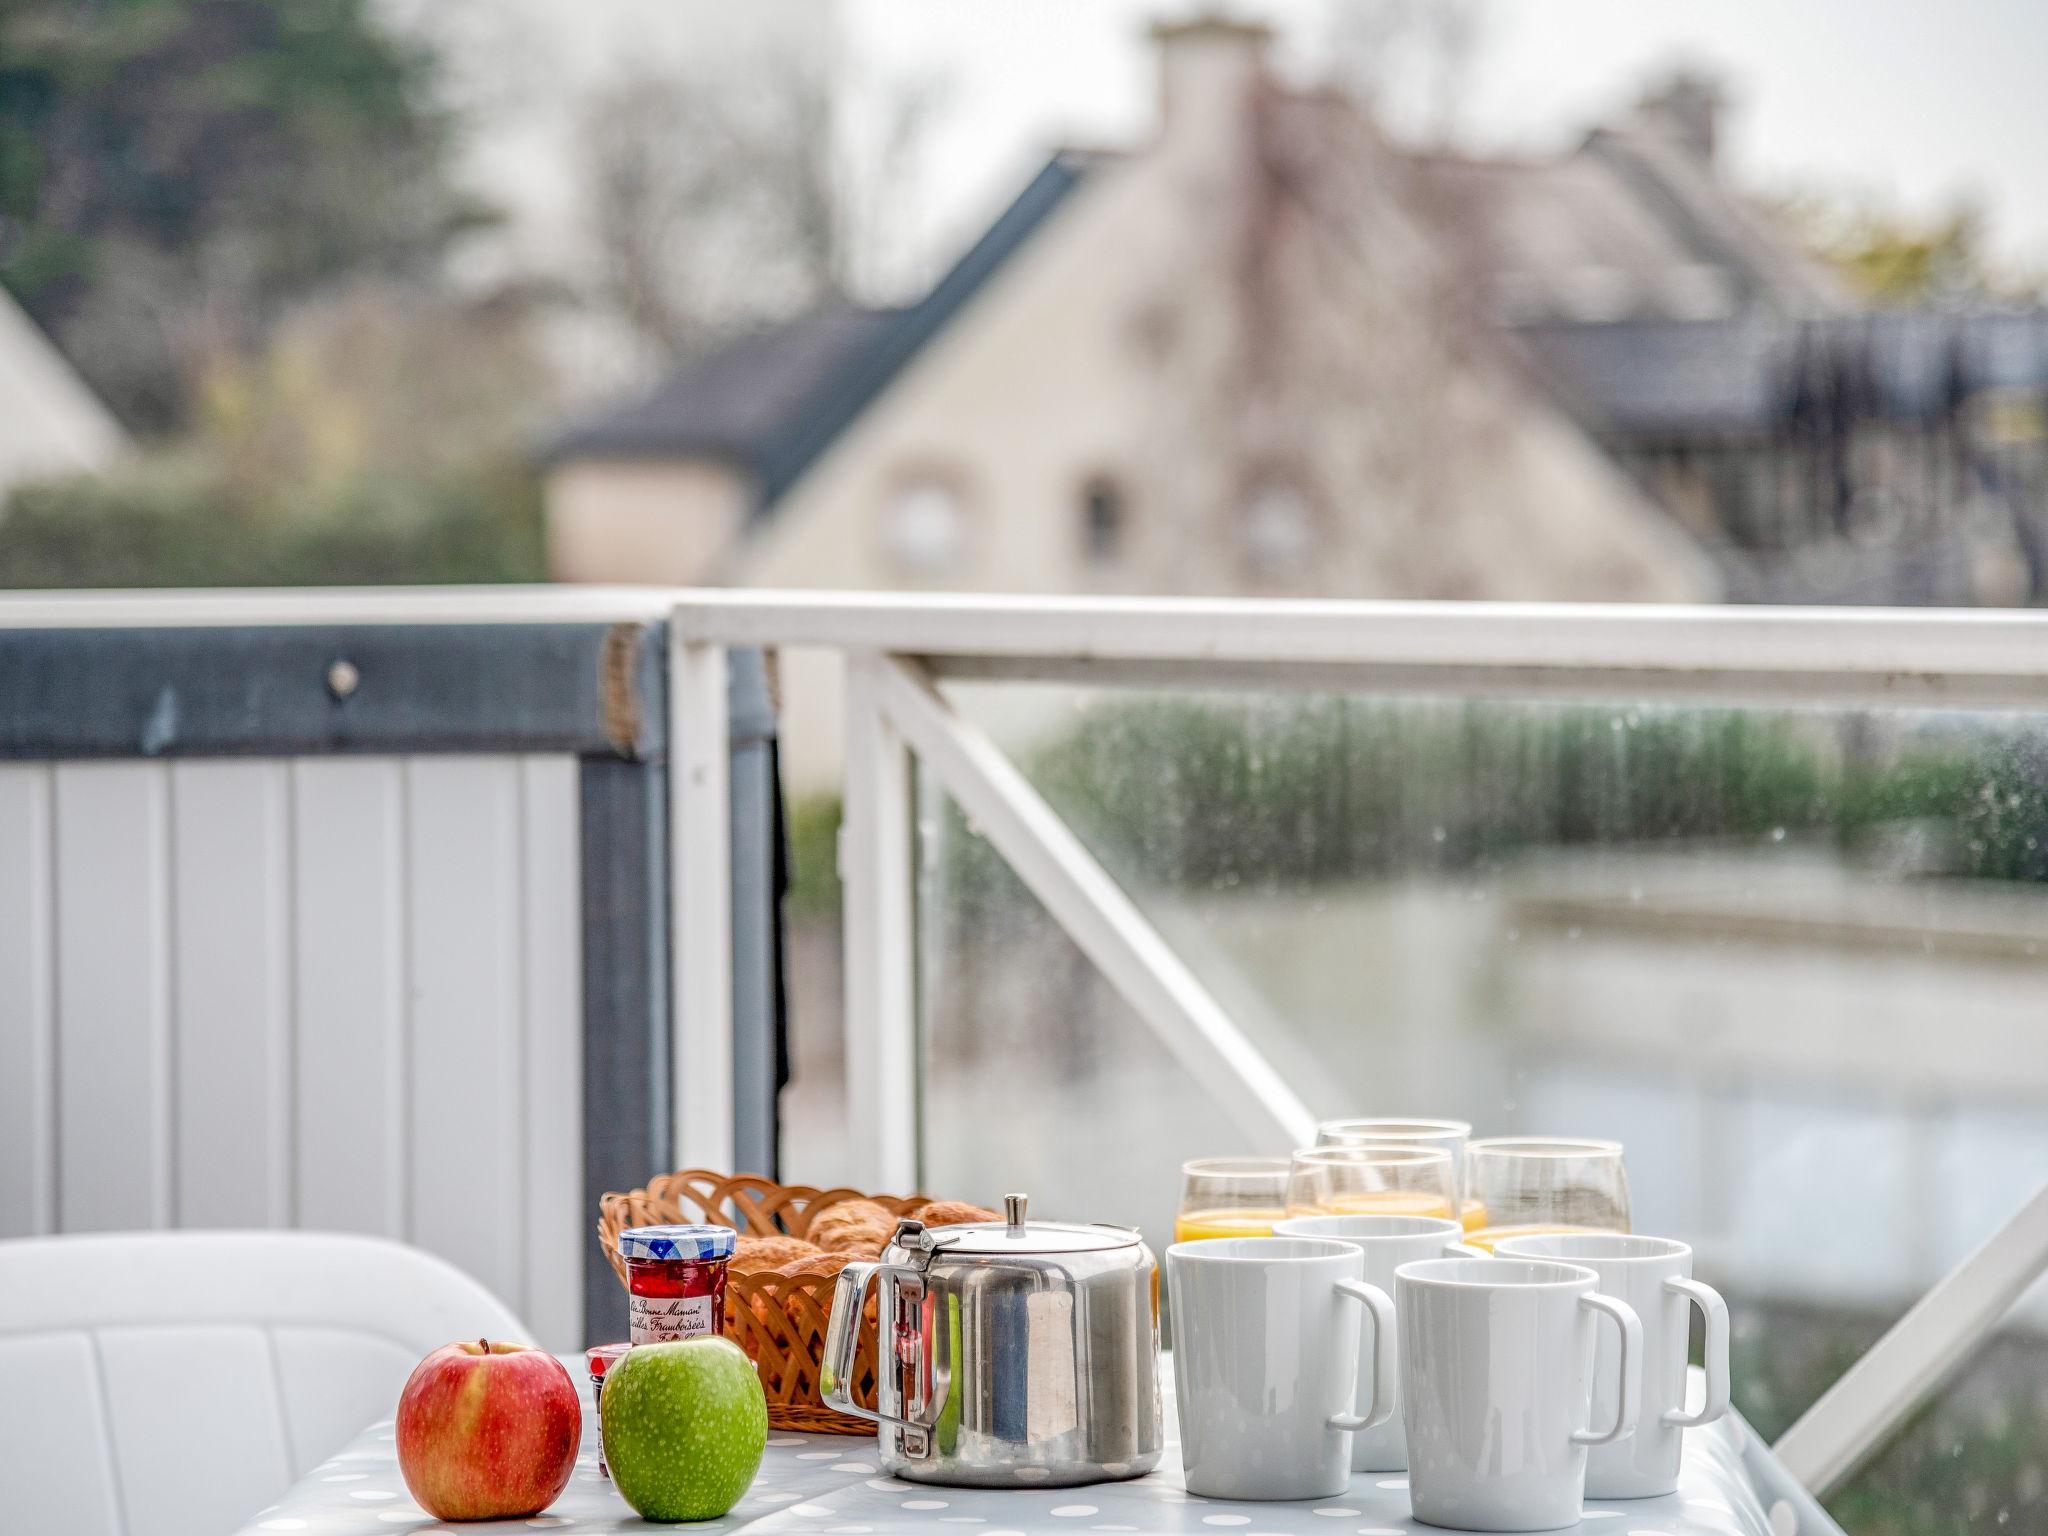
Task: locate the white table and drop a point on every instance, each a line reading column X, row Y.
column 830, row 1485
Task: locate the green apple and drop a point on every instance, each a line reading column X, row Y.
column 949, row 1415
column 685, row 1424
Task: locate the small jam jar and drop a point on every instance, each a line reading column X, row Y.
column 601, row 1358
column 676, row 1280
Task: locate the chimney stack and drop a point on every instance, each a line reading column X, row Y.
column 1209, row 70
column 1685, row 109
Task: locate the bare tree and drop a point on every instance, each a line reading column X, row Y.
column 723, row 197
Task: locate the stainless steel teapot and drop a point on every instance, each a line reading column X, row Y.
column 1013, row 1354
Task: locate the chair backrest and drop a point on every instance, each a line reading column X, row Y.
column 174, row 1383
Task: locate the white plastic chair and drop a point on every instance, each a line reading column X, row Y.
column 174, row 1383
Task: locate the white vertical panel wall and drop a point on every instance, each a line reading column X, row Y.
column 468, row 1031
column 28, row 1031
column 230, row 994
column 349, row 926
column 113, row 929
column 557, row 1223
column 331, row 993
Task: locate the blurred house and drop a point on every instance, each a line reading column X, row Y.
column 1636, row 224
column 51, row 423
column 1238, row 361
column 1241, row 360
column 1272, row 353
column 1894, row 457
column 1821, row 452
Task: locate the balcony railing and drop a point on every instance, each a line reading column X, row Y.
column 898, row 651
column 900, row 655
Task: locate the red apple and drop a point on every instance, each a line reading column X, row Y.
column 488, row 1430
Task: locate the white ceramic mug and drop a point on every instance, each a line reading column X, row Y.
column 1653, row 1275
column 1387, row 1242
column 1497, row 1389
column 1265, row 1360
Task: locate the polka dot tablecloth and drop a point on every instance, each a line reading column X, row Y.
column 828, row 1485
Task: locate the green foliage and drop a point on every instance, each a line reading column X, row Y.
column 1989, row 790
column 2004, row 813
column 1889, row 257
column 1284, row 790
column 169, row 528
column 174, row 173
column 813, row 823
column 1280, row 792
column 375, row 380
column 1969, row 1461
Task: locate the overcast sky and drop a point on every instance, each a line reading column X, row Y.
column 1914, row 101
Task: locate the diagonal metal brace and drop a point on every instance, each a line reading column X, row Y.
column 1094, row 910
column 1904, row 1368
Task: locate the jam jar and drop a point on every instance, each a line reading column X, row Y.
column 601, row 1358
column 675, row 1277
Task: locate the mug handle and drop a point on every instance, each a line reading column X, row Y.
column 1627, row 1364
column 1714, row 1313
column 1377, row 1302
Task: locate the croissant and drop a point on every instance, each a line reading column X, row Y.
column 857, row 1228
column 771, row 1252
column 951, row 1213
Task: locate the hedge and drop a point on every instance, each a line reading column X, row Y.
column 166, row 529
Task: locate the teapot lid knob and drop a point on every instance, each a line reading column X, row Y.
column 1013, row 1213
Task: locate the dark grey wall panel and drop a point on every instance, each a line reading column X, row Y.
column 759, row 880
column 581, row 688
column 626, row 1066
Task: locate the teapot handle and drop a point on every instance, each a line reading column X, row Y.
column 842, row 1341
column 842, row 1345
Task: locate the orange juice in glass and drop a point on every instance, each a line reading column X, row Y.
column 1528, row 1186
column 1388, row 1202
column 1230, row 1197
column 1451, row 1135
column 1485, row 1236
column 1193, row 1226
column 1366, row 1179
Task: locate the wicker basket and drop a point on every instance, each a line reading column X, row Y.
column 785, row 1332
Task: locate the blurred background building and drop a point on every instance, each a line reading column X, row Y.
column 1274, row 352
column 51, row 423
column 1244, row 359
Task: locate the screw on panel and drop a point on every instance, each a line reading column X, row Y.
column 342, row 678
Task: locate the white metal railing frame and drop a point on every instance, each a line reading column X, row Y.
column 898, row 648
column 256, row 607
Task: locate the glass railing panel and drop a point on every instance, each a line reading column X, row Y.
column 1794, row 958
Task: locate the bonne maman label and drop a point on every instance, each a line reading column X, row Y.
column 657, row 1319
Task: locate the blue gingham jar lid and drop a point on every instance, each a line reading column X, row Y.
column 679, row 1242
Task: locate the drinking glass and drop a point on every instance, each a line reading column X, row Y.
column 1382, row 1180
column 1230, row 1197
column 1451, row 1135
column 1530, row 1185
